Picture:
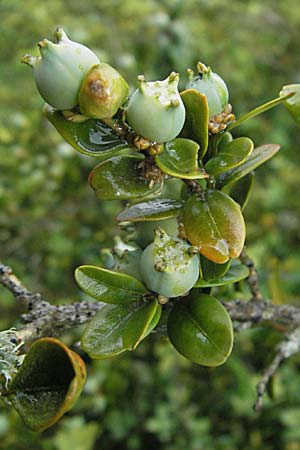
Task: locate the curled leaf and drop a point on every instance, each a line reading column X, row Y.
column 47, row 384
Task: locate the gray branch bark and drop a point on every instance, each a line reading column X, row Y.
column 44, row 319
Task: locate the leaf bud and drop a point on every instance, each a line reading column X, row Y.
column 155, row 110
column 211, row 85
column 60, row 69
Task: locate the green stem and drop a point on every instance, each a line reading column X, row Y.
column 260, row 109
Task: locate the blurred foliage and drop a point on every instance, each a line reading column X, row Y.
column 50, row 221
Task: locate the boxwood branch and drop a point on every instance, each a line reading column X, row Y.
column 44, row 319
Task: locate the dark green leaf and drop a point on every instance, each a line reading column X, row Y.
column 212, row 271
column 200, row 329
column 154, row 321
column 117, row 328
column 196, row 122
column 236, row 272
column 108, row 286
column 224, row 139
column 180, row 159
column 152, row 210
column 47, row 384
column 241, row 190
column 92, row 137
column 258, row 156
column 230, row 155
column 121, row 178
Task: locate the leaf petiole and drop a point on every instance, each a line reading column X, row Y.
column 259, row 110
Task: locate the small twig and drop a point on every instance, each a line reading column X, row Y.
column 14, row 285
column 287, row 348
column 43, row 318
column 50, row 320
column 253, row 276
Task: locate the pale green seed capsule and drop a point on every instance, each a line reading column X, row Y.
column 60, row 70
column 212, row 86
column 168, row 267
column 102, row 92
column 155, row 110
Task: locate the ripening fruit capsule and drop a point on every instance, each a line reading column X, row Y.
column 212, row 86
column 155, row 110
column 60, row 69
column 102, row 92
column 168, row 267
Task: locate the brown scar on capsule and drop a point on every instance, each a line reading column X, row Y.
column 99, row 88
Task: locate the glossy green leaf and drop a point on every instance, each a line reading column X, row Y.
column 196, row 122
column 92, row 137
column 213, row 222
column 157, row 209
column 47, row 384
column 223, row 140
column 108, row 286
column 241, row 190
column 258, row 156
column 212, row 271
column 180, row 159
column 237, row 272
column 121, row 178
column 200, row 329
column 154, row 321
column 230, row 155
column 117, row 328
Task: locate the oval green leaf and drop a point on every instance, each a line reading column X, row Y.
column 200, row 329
column 91, row 137
column 154, row 321
column 241, row 190
column 121, row 178
column 180, row 159
column 117, row 328
column 157, row 209
column 212, row 271
column 196, row 121
column 259, row 156
column 231, row 154
column 235, row 273
column 47, row 384
column 213, row 222
column 108, row 286
column 224, row 139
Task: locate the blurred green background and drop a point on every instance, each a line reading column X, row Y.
column 50, row 221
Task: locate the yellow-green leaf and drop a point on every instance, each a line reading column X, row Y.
column 213, row 222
